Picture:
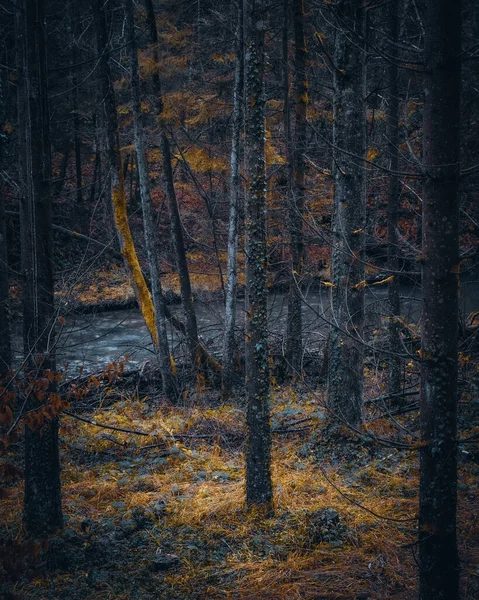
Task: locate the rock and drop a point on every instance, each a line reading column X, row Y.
column 128, row 526
column 163, row 562
column 220, row 476
column 325, row 526
column 201, row 476
column 159, row 508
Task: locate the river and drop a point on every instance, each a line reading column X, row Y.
column 93, row 341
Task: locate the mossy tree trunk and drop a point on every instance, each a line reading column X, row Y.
column 439, row 567
column 233, row 230
column 42, row 512
column 168, row 382
column 345, row 399
column 116, row 175
column 259, row 492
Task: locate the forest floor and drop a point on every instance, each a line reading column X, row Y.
column 161, row 516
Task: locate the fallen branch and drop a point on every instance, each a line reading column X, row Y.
column 122, row 429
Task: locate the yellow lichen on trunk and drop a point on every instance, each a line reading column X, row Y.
column 131, row 259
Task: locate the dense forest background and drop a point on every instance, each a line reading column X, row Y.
column 238, row 299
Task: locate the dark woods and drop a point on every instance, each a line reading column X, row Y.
column 187, row 160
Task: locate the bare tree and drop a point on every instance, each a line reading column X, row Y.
column 168, row 382
column 349, row 214
column 296, row 191
column 116, row 174
column 439, row 568
column 5, row 346
column 42, row 500
column 235, row 198
column 259, row 491
column 394, row 375
column 197, row 352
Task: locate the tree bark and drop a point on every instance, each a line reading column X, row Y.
column 349, row 215
column 197, row 352
column 116, row 175
column 259, row 490
column 235, row 199
column 394, row 367
column 5, row 346
column 169, row 387
column 439, row 568
column 42, row 499
column 294, row 344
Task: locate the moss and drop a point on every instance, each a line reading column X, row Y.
column 131, row 259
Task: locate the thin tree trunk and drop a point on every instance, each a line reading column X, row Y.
column 42, row 499
column 197, row 352
column 116, row 176
column 294, row 344
column 439, row 568
column 235, row 199
column 169, row 387
column 60, row 181
column 5, row 346
column 394, row 374
column 259, row 491
column 349, row 215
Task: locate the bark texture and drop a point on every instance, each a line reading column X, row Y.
column 439, row 569
column 168, row 383
column 198, row 354
column 235, row 199
column 5, row 346
column 394, row 368
column 116, row 175
column 259, row 490
column 296, row 192
column 42, row 500
column 349, row 215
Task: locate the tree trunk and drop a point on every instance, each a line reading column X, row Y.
column 5, row 346
column 259, row 490
column 169, row 387
column 349, row 215
column 296, row 197
column 116, row 175
column 439, row 568
column 42, row 500
column 235, row 199
column 394, row 344
column 197, row 352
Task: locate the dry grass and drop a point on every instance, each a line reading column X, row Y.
column 226, row 552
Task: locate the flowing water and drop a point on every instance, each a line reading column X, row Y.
column 93, row 341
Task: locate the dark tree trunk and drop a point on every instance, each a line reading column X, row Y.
column 259, row 490
column 235, row 198
column 169, row 387
column 349, row 215
column 197, row 352
column 42, row 500
column 116, row 174
column 5, row 346
column 394, row 374
column 296, row 195
column 439, row 569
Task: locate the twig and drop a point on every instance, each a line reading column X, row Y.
column 123, row 430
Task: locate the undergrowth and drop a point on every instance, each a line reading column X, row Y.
column 131, row 502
